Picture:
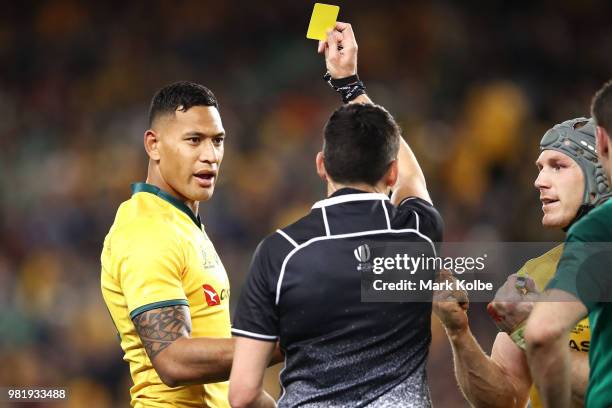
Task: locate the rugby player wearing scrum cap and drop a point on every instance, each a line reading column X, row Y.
column 582, row 285
column 571, row 183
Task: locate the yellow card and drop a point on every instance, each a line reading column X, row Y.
column 323, row 18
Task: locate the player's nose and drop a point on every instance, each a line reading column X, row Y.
column 542, row 181
column 209, row 153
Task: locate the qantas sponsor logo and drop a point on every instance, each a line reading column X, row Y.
column 212, row 297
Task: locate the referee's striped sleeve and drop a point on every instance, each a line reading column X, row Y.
column 256, row 315
column 254, row 336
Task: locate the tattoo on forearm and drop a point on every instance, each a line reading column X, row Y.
column 158, row 328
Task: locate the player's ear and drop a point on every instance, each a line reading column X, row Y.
column 321, row 166
column 151, row 144
column 602, row 142
column 392, row 174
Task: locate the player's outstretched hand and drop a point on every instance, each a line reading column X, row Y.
column 513, row 303
column 450, row 306
column 340, row 50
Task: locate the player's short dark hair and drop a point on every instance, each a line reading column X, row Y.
column 182, row 94
column 601, row 107
column 360, row 142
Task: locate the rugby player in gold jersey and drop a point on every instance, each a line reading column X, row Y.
column 570, row 183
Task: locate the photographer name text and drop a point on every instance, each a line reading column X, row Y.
column 404, row 284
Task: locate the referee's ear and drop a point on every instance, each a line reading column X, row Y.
column 321, row 166
column 390, row 177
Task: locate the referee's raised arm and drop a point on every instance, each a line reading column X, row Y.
column 410, row 180
column 304, row 288
column 340, row 51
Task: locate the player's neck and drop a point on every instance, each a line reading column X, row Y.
column 193, row 206
column 155, row 179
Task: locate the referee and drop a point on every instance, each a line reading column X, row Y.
column 304, row 287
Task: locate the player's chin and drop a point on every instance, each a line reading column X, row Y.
column 552, row 221
column 203, row 193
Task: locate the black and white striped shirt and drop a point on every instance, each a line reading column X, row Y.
column 303, row 290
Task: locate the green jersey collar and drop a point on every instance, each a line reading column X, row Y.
column 148, row 188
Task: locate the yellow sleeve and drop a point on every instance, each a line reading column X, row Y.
column 152, row 267
column 538, row 271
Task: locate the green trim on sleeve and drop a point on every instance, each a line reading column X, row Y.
column 157, row 305
column 149, row 188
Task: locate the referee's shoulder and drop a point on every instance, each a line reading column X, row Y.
column 284, row 240
column 420, row 214
column 306, row 228
column 412, row 203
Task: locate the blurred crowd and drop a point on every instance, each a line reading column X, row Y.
column 473, row 85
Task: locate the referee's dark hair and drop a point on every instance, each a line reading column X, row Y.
column 359, row 143
column 183, row 95
column 601, row 107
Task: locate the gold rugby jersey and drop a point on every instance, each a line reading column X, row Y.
column 157, row 254
column 541, row 270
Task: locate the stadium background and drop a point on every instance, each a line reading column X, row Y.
column 474, row 86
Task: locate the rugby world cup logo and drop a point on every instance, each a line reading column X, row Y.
column 363, row 254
